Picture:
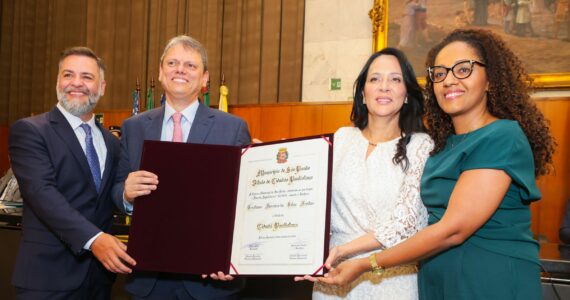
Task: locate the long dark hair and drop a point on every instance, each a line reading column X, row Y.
column 507, row 98
column 411, row 113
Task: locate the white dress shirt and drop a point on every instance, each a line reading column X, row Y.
column 188, row 115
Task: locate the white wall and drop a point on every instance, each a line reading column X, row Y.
column 338, row 41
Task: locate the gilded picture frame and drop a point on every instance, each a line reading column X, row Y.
column 379, row 15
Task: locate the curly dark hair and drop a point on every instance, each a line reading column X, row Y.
column 411, row 113
column 508, row 96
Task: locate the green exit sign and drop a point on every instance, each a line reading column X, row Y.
column 335, row 84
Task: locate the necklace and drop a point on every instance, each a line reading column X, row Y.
column 376, row 143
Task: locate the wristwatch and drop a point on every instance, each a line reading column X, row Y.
column 376, row 269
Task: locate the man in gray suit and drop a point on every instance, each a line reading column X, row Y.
column 183, row 72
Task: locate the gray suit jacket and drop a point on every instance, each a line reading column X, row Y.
column 209, row 127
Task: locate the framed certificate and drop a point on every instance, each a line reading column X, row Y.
column 262, row 209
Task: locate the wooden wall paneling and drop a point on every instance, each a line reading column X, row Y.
column 166, row 19
column 137, row 54
column 231, row 47
column 252, row 116
column 171, row 19
column 173, row 23
column 156, row 40
column 17, row 62
column 52, row 52
column 45, row 59
column 115, row 117
column 15, row 53
column 306, row 120
column 291, row 58
column 250, row 58
column 46, row 74
column 270, row 51
column 275, row 122
column 548, row 212
column 131, row 43
column 4, row 158
column 6, row 39
column 101, row 20
column 33, row 35
column 70, row 29
column 205, row 24
column 248, row 46
column 336, row 116
column 196, row 20
column 39, row 60
column 25, row 56
column 111, row 26
column 181, row 17
column 213, row 43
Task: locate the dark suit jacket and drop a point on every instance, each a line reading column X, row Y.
column 62, row 209
column 209, row 127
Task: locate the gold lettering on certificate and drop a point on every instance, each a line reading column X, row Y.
column 299, row 178
column 286, row 175
column 253, row 206
column 274, row 205
column 284, row 225
column 261, row 173
column 262, row 226
column 279, row 180
column 276, row 226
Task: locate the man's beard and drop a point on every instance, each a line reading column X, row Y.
column 74, row 107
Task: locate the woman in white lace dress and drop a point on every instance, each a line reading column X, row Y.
column 376, row 177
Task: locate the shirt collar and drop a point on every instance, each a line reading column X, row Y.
column 74, row 121
column 189, row 112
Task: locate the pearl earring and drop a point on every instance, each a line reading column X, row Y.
column 363, row 100
column 406, row 100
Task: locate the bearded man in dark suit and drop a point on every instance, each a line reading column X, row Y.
column 65, row 164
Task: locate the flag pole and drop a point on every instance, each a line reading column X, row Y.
column 223, row 103
column 136, row 94
column 150, row 95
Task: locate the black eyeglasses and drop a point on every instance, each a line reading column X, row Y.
column 460, row 70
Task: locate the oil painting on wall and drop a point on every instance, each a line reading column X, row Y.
column 538, row 31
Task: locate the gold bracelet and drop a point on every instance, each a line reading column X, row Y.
column 376, row 269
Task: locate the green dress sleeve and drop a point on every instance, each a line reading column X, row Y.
column 506, row 148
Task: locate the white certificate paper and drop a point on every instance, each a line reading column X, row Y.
column 281, row 209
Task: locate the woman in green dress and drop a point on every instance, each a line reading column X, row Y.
column 490, row 144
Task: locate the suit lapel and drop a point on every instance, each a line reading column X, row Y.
column 107, row 137
column 201, row 126
column 66, row 133
column 153, row 124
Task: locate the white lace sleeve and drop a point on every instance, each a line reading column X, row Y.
column 409, row 215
